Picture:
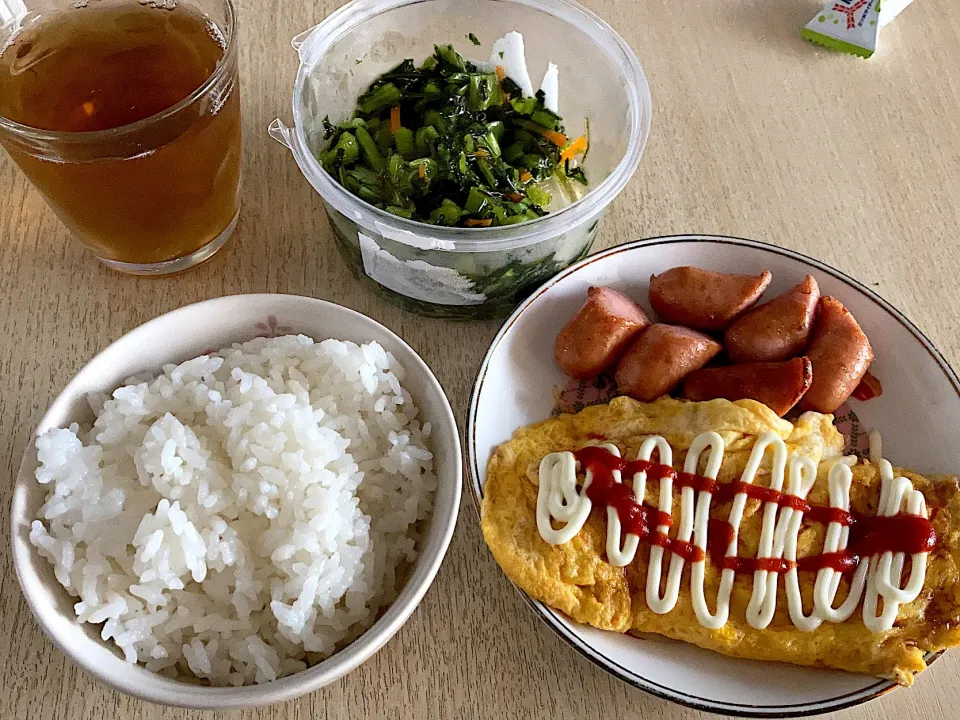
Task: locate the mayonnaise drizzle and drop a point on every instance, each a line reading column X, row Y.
column 877, row 580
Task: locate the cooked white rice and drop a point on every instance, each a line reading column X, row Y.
column 244, row 513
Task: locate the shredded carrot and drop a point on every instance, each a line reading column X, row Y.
column 474, row 222
column 422, row 170
column 573, row 149
column 394, row 118
column 557, row 138
column 501, row 76
column 525, row 176
column 513, row 197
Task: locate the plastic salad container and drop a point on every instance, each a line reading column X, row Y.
column 468, row 272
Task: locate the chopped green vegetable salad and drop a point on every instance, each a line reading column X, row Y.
column 448, row 143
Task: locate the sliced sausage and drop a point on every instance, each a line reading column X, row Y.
column 777, row 330
column 703, row 299
column 595, row 338
column 778, row 385
column 661, row 358
column 841, row 355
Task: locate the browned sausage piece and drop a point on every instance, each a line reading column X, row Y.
column 840, row 354
column 661, row 358
column 776, row 330
column 703, row 299
column 595, row 338
column 778, row 385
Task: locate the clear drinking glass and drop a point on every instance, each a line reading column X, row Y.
column 125, row 114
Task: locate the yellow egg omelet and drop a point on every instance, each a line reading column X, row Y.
column 577, row 579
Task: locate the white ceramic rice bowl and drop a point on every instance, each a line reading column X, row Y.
column 180, row 335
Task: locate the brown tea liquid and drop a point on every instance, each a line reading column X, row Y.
column 138, row 195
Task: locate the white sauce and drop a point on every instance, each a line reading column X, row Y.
column 877, row 580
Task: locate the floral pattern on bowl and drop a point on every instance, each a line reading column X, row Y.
column 271, row 328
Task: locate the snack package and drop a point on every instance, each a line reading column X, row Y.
column 852, row 26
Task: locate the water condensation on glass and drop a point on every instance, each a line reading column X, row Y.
column 214, row 31
column 221, row 93
column 365, row 55
column 11, row 11
column 160, row 4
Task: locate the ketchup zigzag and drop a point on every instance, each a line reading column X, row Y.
column 869, row 535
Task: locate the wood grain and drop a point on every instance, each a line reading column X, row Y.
column 755, row 134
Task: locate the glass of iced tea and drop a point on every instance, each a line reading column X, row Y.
column 125, row 114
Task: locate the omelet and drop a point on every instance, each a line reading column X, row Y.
column 577, row 577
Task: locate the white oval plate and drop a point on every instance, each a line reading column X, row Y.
column 918, row 413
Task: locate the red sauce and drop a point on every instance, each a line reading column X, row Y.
column 751, row 565
column 635, row 518
column 824, row 514
column 725, row 493
column 719, row 536
column 686, row 550
column 869, row 535
column 901, row 533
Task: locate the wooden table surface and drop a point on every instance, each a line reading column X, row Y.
column 755, row 134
